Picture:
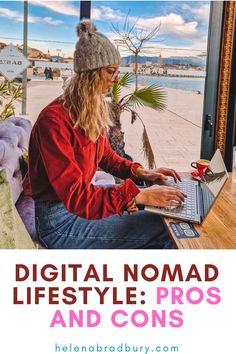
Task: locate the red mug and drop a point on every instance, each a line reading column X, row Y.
column 201, row 166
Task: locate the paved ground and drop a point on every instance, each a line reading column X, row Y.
column 175, row 134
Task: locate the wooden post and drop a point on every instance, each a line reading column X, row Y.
column 25, row 50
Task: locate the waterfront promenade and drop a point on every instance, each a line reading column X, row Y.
column 174, row 134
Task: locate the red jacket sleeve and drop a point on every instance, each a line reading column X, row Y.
column 117, row 165
column 65, row 176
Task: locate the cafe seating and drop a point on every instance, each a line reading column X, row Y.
column 14, row 141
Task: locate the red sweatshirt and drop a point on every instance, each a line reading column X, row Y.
column 63, row 161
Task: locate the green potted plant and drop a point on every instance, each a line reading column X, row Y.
column 152, row 96
column 9, row 94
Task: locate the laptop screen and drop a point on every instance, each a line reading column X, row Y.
column 215, row 179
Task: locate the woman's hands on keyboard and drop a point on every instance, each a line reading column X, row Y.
column 157, row 174
column 160, row 196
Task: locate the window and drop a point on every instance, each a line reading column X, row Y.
column 175, row 59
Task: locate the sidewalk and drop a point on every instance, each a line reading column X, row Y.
column 175, row 134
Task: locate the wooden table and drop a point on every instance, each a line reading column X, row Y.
column 218, row 230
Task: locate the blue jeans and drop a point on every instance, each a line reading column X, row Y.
column 57, row 228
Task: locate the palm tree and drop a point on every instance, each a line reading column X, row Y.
column 152, row 96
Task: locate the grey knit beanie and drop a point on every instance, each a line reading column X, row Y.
column 93, row 50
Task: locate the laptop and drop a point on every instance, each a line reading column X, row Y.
column 201, row 195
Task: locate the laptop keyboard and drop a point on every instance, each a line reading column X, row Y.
column 188, row 209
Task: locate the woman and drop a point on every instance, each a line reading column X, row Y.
column 68, row 144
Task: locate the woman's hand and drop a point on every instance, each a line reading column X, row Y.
column 158, row 174
column 161, row 196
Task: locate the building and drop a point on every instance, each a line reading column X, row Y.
column 2, row 45
column 148, row 63
column 160, row 61
column 57, row 58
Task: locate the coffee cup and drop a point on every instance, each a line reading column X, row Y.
column 201, row 166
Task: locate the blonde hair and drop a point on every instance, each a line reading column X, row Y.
column 86, row 104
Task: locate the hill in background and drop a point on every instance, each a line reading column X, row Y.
column 193, row 61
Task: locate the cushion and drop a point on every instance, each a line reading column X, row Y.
column 12, row 231
column 14, row 140
column 26, row 208
column 17, row 129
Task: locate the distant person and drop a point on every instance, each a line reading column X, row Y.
column 46, row 73
column 68, row 143
column 50, row 74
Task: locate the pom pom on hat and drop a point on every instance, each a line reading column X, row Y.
column 85, row 26
column 93, row 49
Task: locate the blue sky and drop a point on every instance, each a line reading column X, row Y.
column 183, row 24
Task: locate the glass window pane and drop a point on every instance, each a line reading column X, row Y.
column 51, row 42
column 175, row 58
